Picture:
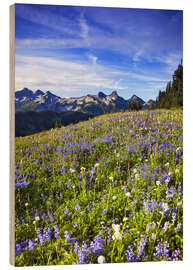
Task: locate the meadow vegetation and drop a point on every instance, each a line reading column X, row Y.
column 108, row 190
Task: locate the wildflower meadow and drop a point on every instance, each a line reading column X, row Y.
column 107, row 190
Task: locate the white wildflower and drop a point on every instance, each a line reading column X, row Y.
column 125, row 219
column 170, row 173
column 179, row 203
column 101, row 259
column 26, row 204
column 148, row 227
column 111, row 178
column 178, row 149
column 114, row 198
column 157, row 183
column 116, row 227
column 165, row 207
column 96, row 165
column 117, row 235
column 166, row 225
column 72, row 170
column 177, row 171
column 128, row 194
column 167, row 180
column 83, row 168
column 167, row 164
column 37, row 218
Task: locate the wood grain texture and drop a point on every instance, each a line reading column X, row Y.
column 12, row 135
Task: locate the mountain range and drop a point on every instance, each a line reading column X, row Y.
column 27, row 100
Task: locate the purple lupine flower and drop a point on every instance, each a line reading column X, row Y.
column 88, row 207
column 141, row 246
column 178, row 227
column 56, row 231
column 44, row 216
column 109, row 236
column 116, row 220
column 32, row 244
column 21, row 183
column 174, row 214
column 175, row 255
column 67, row 236
column 51, row 219
column 129, row 254
column 66, row 210
column 77, row 206
column 40, row 236
column 47, row 234
column 76, row 246
column 105, row 211
column 148, row 227
column 24, row 246
column 162, row 251
column 153, row 236
column 75, row 224
column 83, row 254
column 96, row 246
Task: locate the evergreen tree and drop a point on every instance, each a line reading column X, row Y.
column 173, row 95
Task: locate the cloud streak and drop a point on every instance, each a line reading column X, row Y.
column 63, row 77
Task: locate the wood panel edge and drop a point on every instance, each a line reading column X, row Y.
column 12, row 135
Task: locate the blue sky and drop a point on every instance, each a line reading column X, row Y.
column 74, row 51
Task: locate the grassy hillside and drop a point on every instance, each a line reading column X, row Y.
column 105, row 190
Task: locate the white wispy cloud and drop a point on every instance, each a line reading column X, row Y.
column 46, row 43
column 64, row 77
column 142, row 77
column 171, row 60
column 48, row 19
column 84, row 27
column 93, row 58
column 70, row 77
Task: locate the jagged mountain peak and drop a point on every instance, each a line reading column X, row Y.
column 101, row 95
column 24, row 91
column 136, row 98
column 39, row 92
column 114, row 94
column 50, row 94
